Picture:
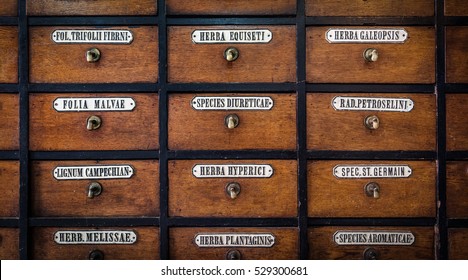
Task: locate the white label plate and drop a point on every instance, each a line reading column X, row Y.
column 112, row 104
column 232, row 171
column 366, row 35
column 92, row 36
column 251, row 240
column 93, row 172
column 390, row 238
column 245, row 36
column 73, row 237
column 341, row 103
column 232, row 103
column 372, row 171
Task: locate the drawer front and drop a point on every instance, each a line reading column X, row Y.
column 9, row 8
column 211, row 128
column 228, row 7
column 190, row 196
column 457, row 124
column 333, row 193
column 45, row 247
column 90, row 8
column 330, row 116
column 322, row 245
column 457, row 58
column 410, row 62
column 224, row 243
column 370, row 8
column 69, row 196
column 456, row 8
column 9, row 51
column 9, row 126
column 457, row 189
column 51, row 62
column 274, row 61
column 9, row 188
column 458, row 244
column 62, row 122
column 9, row 244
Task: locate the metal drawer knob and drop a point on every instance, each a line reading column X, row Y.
column 231, row 121
column 371, row 254
column 96, row 255
column 233, row 190
column 371, row 55
column 372, row 190
column 372, row 122
column 233, row 255
column 231, row 54
column 93, row 55
column 93, row 123
column 94, row 189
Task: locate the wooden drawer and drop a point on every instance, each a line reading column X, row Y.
column 456, row 8
column 219, row 243
column 330, row 116
column 67, row 196
column 457, row 187
column 209, row 131
column 9, row 8
column 322, row 244
column 9, row 188
column 333, row 193
column 370, row 8
column 457, row 124
column 457, row 57
column 9, row 244
column 228, row 7
column 458, row 244
column 66, row 63
column 410, row 62
column 259, row 62
column 45, row 245
column 9, row 51
column 9, row 126
column 90, row 8
column 207, row 195
column 60, row 122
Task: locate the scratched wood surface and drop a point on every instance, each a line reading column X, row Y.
column 272, row 62
column 9, row 8
column 458, row 244
column 457, row 123
column 329, row 196
column 456, row 8
column 9, row 51
column 231, row 7
column 456, row 54
column 259, row 197
column 59, row 131
column 183, row 247
column 457, row 189
column 66, row 63
column 409, row 62
column 90, row 8
column 9, row 126
column 137, row 196
column 414, row 130
column 323, row 247
column 45, row 248
column 9, row 188
column 9, row 244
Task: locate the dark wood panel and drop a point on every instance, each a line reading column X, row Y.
column 9, row 8
column 458, row 244
column 457, row 189
column 456, row 8
column 9, row 126
column 457, row 123
column 9, row 244
column 9, row 188
column 457, row 56
column 9, row 51
column 231, row 7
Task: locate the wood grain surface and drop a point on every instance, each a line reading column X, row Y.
column 183, row 247
column 231, row 7
column 9, row 188
column 191, row 129
column 415, row 130
column 9, row 8
column 409, row 62
column 134, row 130
column 458, row 244
column 9, row 51
column 9, row 126
column 456, row 54
column 272, row 62
column 322, row 246
column 329, row 196
column 457, row 123
column 137, row 196
column 457, row 189
column 259, row 197
column 90, row 8
column 45, row 248
column 66, row 63
column 9, row 244
column 456, row 8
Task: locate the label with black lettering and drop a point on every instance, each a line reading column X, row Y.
column 232, row 103
column 251, row 240
column 366, row 35
column 109, row 104
column 341, row 103
column 372, row 171
column 93, row 172
column 102, row 237
column 232, row 171
column 86, row 36
column 253, row 36
column 390, row 238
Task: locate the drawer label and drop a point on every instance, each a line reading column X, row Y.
column 94, row 104
column 232, row 171
column 368, row 35
column 401, row 238
column 232, row 103
column 341, row 103
column 85, row 36
column 254, row 36
column 95, row 237
column 255, row 240
column 93, row 172
column 372, row 171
